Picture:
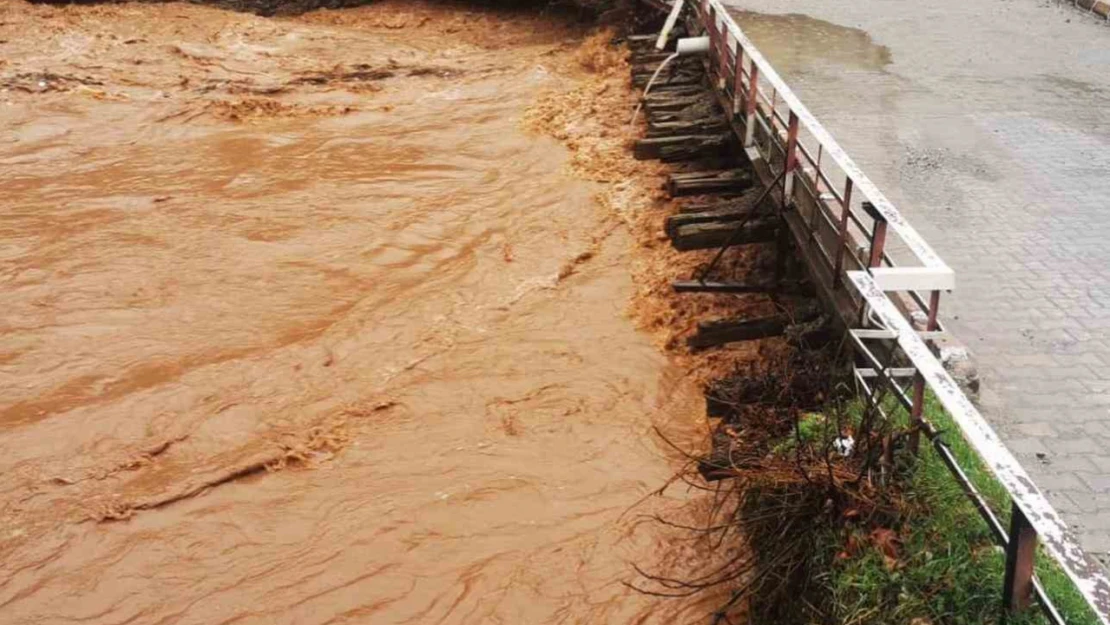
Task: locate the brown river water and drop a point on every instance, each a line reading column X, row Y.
column 300, row 323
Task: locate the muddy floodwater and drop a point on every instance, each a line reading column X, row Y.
column 299, row 323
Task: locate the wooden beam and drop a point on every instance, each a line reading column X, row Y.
column 721, row 331
column 710, row 286
column 702, row 126
column 667, row 78
column 713, row 235
column 683, row 147
column 734, row 182
column 674, row 222
column 714, row 333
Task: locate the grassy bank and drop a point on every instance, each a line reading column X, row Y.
column 945, row 567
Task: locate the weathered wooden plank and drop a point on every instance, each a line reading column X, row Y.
column 711, row 235
column 679, row 148
column 643, row 58
column 682, row 108
column 669, row 79
column 718, row 216
column 710, row 286
column 721, row 331
column 641, row 42
column 734, row 181
column 712, row 334
column 703, row 126
column 642, row 65
column 735, row 204
column 665, row 89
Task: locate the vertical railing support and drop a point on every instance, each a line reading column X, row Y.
column 722, row 50
column 878, row 242
column 791, row 158
column 878, row 235
column 738, row 80
column 714, row 42
column 919, row 380
column 1017, row 586
column 842, row 233
column 753, row 101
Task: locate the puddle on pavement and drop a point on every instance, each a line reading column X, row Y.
column 796, row 42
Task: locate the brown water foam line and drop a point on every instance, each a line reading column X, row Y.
column 328, row 438
column 141, row 459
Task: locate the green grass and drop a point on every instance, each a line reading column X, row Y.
column 948, row 570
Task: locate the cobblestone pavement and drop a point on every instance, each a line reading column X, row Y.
column 986, row 123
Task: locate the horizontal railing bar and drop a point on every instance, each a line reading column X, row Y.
column 1046, row 603
column 1054, row 533
column 998, row 531
column 993, row 522
column 949, row 460
column 879, row 335
column 881, row 372
column 896, row 372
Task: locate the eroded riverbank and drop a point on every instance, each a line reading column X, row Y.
column 325, row 273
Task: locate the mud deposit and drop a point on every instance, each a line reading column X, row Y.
column 303, row 323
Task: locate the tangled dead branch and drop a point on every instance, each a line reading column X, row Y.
column 791, row 460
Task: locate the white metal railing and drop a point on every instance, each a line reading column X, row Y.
column 842, row 223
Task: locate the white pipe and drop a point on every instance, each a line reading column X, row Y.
column 692, row 45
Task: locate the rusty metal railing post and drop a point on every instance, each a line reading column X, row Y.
column 842, row 233
column 738, row 80
column 919, row 380
column 791, row 158
column 714, row 42
column 722, row 52
column 878, row 242
column 1017, row 585
column 753, row 101
column 878, row 235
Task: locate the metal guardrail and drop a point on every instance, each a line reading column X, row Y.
column 885, row 281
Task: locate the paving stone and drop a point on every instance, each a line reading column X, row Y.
column 1038, row 429
column 1097, row 482
column 1073, row 464
column 1027, row 446
column 1093, row 521
column 1069, row 446
column 1065, row 482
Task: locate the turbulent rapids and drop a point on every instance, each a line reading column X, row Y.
column 310, row 319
